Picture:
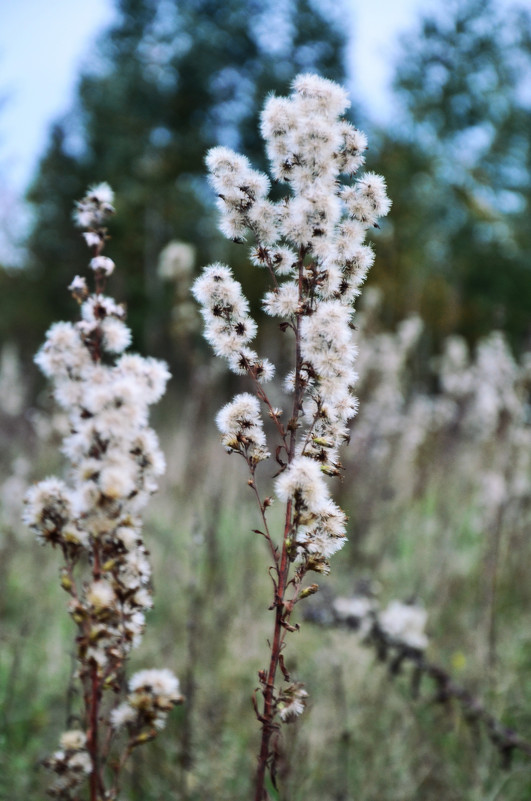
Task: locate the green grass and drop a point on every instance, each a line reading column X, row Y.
column 363, row 737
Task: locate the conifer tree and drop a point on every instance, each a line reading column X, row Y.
column 168, row 80
column 458, row 168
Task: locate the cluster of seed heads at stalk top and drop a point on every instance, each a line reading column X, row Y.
column 312, row 243
column 115, row 461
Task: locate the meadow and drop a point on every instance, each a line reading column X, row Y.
column 404, row 674
column 434, row 537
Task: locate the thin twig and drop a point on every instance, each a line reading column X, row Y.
column 396, row 653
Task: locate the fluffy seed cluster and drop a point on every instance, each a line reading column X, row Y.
column 319, row 523
column 312, row 243
column 92, row 212
column 242, row 427
column 403, row 624
column 115, row 461
column 228, row 326
column 152, row 694
column 292, row 702
column 71, row 763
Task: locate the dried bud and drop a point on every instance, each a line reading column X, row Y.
column 102, row 264
column 79, row 289
column 66, row 582
column 311, row 590
column 322, row 442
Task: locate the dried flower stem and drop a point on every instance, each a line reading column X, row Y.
column 314, row 239
column 282, row 609
column 95, row 521
column 397, row 651
column 282, row 614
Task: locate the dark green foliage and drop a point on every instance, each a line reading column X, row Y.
column 458, row 171
column 171, row 79
column 55, row 254
column 168, row 81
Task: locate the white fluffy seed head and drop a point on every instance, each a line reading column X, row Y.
column 73, row 740
column 100, row 595
column 322, row 95
column 159, row 682
column 116, row 335
column 284, row 301
column 242, row 412
column 303, row 478
column 102, row 264
column 314, row 236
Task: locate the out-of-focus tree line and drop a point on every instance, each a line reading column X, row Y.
column 171, row 78
column 458, row 166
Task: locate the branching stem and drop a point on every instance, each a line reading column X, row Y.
column 282, row 611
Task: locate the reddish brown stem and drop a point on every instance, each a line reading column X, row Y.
column 263, row 397
column 266, row 534
column 93, row 704
column 281, row 615
column 276, row 647
column 92, row 735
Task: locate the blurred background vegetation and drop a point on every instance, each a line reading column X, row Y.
column 168, row 80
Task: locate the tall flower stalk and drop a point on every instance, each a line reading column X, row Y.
column 311, row 242
column 94, row 521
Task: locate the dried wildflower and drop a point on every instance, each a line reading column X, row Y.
column 242, row 427
column 312, row 244
column 292, row 702
column 94, row 520
column 405, row 623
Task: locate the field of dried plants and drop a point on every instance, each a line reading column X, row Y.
column 437, row 493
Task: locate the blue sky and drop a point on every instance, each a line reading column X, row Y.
column 43, row 45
